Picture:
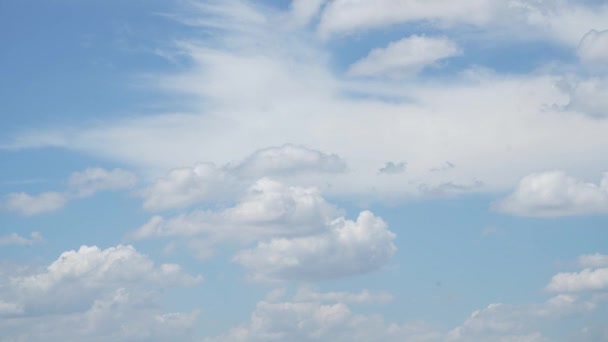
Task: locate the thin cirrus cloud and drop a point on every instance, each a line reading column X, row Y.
column 555, row 193
column 206, row 181
column 405, row 57
column 80, row 184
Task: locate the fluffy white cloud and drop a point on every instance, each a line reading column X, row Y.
column 185, row 186
column 303, row 11
column 593, row 48
column 346, row 248
column 267, row 209
column 555, row 193
column 16, row 239
column 585, row 280
column 92, row 294
column 89, row 181
column 593, row 260
column 404, row 57
column 316, row 321
column 28, row 205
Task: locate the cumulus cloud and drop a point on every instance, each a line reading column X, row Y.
column 554, row 193
column 18, row 240
column 346, row 248
column 392, row 168
column 26, row 204
column 89, row 181
column 92, row 294
column 593, row 48
column 185, row 186
column 268, row 208
column 585, row 280
column 405, row 57
column 310, row 320
column 206, row 181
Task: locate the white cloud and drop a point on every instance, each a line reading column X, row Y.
column 315, row 321
column 92, row 294
column 585, row 280
column 346, row 248
column 593, row 260
column 287, row 159
column 405, row 57
column 308, row 294
column 555, row 193
column 81, row 184
column 587, row 96
column 264, row 86
column 16, row 239
column 304, row 11
column 267, row 209
column 89, row 181
column 343, row 16
column 29, row 205
column 185, row 186
column 593, row 48
column 205, row 181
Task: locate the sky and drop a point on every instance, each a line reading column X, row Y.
column 304, row 170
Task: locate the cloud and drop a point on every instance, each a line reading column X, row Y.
column 346, row 248
column 88, row 182
column 554, row 193
column 185, row 186
column 205, row 181
column 18, row 240
column 405, row 57
column 391, row 168
column 585, row 280
column 310, row 320
column 444, row 167
column 92, row 294
column 304, row 11
column 593, row 48
column 81, row 184
column 29, row 205
column 344, row 16
column 593, row 260
column 308, row 294
column 287, row 159
column 586, row 96
column 267, row 209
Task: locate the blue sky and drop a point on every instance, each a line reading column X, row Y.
column 306, row 170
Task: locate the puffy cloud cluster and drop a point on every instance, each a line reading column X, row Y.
column 594, row 276
column 92, row 294
column 186, row 186
column 346, row 248
column 555, row 193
